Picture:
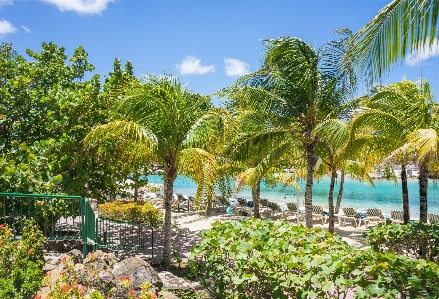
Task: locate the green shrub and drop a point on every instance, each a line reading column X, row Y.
column 21, row 262
column 265, row 259
column 132, row 211
column 417, row 240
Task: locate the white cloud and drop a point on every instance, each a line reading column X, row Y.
column 235, row 67
column 424, row 53
column 6, row 2
column 191, row 66
column 6, row 27
column 26, row 29
column 81, row 6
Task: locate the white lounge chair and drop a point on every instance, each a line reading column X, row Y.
column 317, row 213
column 244, row 208
column 349, row 214
column 397, row 216
column 433, row 218
column 374, row 215
column 292, row 210
column 275, row 210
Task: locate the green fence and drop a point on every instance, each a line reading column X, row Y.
column 116, row 234
column 63, row 218
column 59, row 217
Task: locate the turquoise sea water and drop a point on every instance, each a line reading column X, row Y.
column 385, row 195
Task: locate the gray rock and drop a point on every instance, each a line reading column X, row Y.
column 167, row 295
column 139, row 272
column 62, row 257
column 197, row 286
column 156, row 261
column 57, row 246
column 76, row 256
column 48, row 267
column 172, row 282
column 97, row 263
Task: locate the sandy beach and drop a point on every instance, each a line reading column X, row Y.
column 191, row 223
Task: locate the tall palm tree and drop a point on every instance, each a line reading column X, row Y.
column 401, row 118
column 176, row 126
column 297, row 87
column 338, row 154
column 401, row 27
column 257, row 153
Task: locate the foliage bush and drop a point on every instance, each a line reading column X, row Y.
column 265, row 259
column 132, row 211
column 417, row 240
column 21, row 262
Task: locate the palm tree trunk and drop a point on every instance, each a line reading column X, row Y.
column 256, row 193
column 405, row 195
column 170, row 175
column 210, row 199
column 331, row 201
column 311, row 162
column 136, row 185
column 423, row 189
column 340, row 193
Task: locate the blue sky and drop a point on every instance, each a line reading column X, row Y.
column 208, row 43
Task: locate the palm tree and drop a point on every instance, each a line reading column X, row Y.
column 257, row 154
column 297, row 87
column 401, row 118
column 338, row 154
column 401, row 27
column 176, row 126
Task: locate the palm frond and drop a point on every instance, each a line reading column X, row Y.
column 425, row 141
column 401, row 27
column 358, row 170
column 198, row 165
column 122, row 129
column 335, row 132
column 209, row 128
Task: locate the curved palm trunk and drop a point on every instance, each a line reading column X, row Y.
column 209, row 205
column 340, row 193
column 170, row 175
column 311, row 162
column 423, row 189
column 405, row 194
column 256, row 193
column 331, row 201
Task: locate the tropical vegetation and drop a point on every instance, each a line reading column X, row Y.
column 134, row 212
column 170, row 125
column 21, row 262
column 400, row 28
column 62, row 133
column 401, row 118
column 296, row 88
column 275, row 259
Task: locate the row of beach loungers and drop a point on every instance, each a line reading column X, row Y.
column 273, row 209
column 374, row 215
column 241, row 206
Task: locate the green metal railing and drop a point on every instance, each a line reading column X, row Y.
column 117, row 234
column 58, row 216
column 72, row 218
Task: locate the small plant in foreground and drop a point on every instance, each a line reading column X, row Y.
column 21, row 262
